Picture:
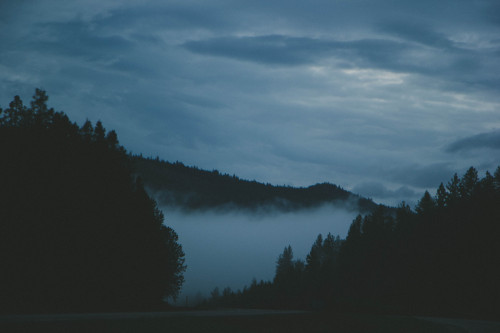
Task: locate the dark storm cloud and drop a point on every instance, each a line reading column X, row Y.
column 286, row 50
column 490, row 140
column 462, row 67
column 170, row 16
column 132, row 67
column 77, row 39
column 416, row 33
column 491, row 11
column 264, row 49
column 421, row 176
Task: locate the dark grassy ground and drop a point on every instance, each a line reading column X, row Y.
column 290, row 323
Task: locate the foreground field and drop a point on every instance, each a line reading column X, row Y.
column 221, row 321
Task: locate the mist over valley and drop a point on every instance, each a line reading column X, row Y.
column 232, row 230
column 230, row 248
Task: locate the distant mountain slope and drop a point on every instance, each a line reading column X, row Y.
column 189, row 188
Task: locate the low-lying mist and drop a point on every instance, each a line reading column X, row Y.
column 229, row 249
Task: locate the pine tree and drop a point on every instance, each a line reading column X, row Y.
column 284, row 265
column 453, row 188
column 426, row 205
column 441, row 196
column 468, row 183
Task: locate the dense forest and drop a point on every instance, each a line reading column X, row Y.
column 440, row 259
column 189, row 188
column 78, row 232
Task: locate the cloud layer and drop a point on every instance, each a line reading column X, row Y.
column 489, row 140
column 385, row 97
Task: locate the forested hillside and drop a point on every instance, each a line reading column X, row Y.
column 174, row 184
column 441, row 259
column 77, row 230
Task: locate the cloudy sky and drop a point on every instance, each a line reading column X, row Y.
column 386, row 98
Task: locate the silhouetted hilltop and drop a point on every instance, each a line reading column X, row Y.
column 190, row 188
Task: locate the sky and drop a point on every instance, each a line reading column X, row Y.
column 385, row 98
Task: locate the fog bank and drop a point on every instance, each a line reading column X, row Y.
column 228, row 249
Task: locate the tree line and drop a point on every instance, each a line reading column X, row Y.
column 191, row 188
column 78, row 232
column 441, row 258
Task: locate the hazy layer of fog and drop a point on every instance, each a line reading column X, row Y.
column 229, row 249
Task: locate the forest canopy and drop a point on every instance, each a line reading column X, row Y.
column 439, row 259
column 78, row 232
column 190, row 188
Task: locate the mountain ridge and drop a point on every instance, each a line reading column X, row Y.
column 190, row 188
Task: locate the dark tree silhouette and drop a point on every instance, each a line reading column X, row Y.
column 77, row 230
column 426, row 205
column 441, row 259
column 190, row 188
column 284, row 264
column 288, row 281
